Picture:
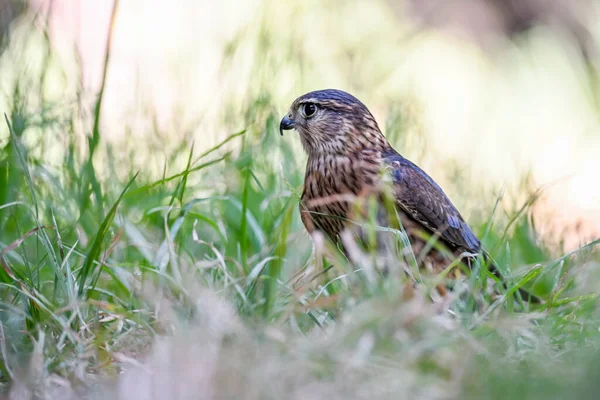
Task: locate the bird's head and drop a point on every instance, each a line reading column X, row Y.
column 332, row 122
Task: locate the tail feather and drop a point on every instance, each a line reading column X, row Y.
column 525, row 294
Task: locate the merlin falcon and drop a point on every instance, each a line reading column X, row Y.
column 347, row 157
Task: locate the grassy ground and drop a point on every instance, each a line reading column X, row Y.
column 200, row 282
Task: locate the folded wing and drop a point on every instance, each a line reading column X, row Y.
column 424, row 201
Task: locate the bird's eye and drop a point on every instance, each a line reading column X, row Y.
column 309, row 109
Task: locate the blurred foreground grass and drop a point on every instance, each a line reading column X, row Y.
column 198, row 282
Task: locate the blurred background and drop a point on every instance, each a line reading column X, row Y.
column 504, row 92
column 144, row 189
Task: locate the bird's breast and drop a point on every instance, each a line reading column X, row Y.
column 332, row 183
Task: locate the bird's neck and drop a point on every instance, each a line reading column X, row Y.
column 370, row 141
column 357, row 160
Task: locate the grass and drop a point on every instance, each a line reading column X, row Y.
column 200, row 282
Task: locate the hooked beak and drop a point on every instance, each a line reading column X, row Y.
column 286, row 124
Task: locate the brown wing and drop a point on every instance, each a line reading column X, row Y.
column 421, row 198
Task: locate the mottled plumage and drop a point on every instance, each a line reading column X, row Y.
column 347, row 157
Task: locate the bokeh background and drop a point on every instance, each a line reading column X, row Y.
column 498, row 100
column 499, row 89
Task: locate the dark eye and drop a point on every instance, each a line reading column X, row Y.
column 309, row 109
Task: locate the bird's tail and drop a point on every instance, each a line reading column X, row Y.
column 525, row 294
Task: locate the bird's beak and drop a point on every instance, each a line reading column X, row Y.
column 286, row 124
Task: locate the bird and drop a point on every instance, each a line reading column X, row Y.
column 349, row 158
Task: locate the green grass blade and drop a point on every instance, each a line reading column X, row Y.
column 92, row 256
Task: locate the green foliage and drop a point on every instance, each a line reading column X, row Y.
column 98, row 260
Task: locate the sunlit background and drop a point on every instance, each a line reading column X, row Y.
column 150, row 238
column 504, row 92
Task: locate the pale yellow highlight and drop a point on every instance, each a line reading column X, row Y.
column 524, row 108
